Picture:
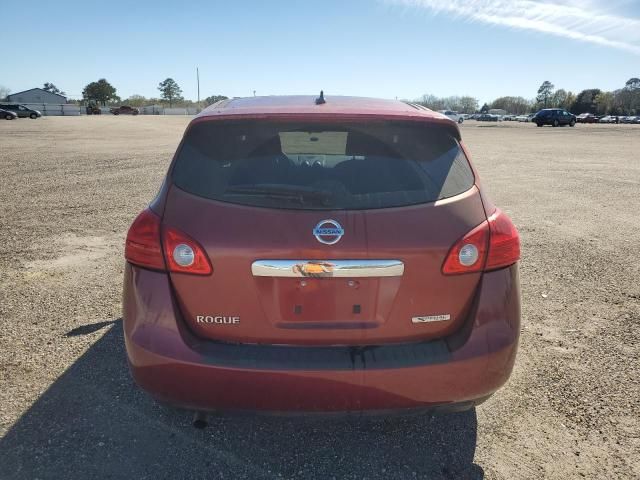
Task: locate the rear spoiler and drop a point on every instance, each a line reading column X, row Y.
column 418, row 116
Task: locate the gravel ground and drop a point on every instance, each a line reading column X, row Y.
column 69, row 187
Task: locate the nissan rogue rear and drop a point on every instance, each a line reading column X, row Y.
column 312, row 255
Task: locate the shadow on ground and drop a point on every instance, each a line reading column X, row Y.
column 94, row 423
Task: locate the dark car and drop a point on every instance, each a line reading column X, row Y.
column 487, row 117
column 20, row 110
column 124, row 110
column 554, row 117
column 8, row 115
column 586, row 118
column 315, row 256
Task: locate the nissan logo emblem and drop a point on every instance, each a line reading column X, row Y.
column 328, row 232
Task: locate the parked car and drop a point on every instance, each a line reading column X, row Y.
column 609, row 119
column 20, row 110
column 8, row 114
column 586, row 118
column 455, row 116
column 124, row 110
column 298, row 258
column 487, row 117
column 554, row 117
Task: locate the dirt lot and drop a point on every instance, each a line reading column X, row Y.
column 69, row 188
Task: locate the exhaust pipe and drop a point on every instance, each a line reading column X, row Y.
column 200, row 420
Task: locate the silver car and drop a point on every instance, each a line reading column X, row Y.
column 7, row 115
column 20, row 110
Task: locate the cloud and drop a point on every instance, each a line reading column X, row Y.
column 586, row 21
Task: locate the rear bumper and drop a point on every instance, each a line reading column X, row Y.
column 174, row 366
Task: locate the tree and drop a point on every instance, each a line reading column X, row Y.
column 4, row 91
column 136, row 101
column 633, row 84
column 100, row 92
column 628, row 98
column 585, row 101
column 432, row 102
column 468, row 104
column 50, row 87
column 603, row 103
column 170, row 91
column 559, row 98
column 213, row 99
column 545, row 93
column 515, row 105
column 464, row 104
column 569, row 101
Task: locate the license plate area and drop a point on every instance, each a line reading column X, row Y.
column 320, row 302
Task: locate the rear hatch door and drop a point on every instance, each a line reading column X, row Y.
column 323, row 234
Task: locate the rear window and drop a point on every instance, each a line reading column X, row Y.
column 314, row 166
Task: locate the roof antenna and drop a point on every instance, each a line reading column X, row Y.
column 320, row 100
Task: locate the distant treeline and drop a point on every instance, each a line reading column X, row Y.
column 625, row 101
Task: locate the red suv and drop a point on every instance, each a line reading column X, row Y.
column 321, row 255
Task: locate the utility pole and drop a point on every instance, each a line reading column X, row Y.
column 198, row 79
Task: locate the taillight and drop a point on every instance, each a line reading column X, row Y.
column 142, row 246
column 183, row 254
column 469, row 253
column 493, row 244
column 504, row 247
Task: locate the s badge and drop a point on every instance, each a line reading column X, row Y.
column 431, row 318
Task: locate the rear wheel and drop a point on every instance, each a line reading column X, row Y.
column 556, row 123
column 538, row 124
column 8, row 117
column 116, row 113
column 572, row 123
column 33, row 116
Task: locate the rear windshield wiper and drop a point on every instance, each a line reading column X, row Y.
column 295, row 193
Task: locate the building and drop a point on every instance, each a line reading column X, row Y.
column 37, row 95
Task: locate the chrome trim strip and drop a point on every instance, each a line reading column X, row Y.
column 327, row 268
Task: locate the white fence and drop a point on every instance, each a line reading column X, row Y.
column 48, row 109
column 160, row 110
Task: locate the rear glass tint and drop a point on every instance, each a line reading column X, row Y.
column 321, row 166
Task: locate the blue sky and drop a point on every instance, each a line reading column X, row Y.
column 382, row 48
